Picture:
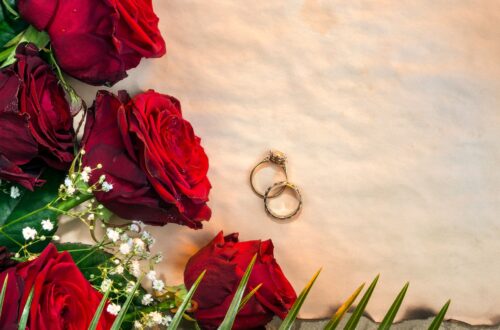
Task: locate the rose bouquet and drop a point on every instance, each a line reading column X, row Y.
column 139, row 160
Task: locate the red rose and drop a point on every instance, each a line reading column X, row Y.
column 151, row 156
column 62, row 297
column 97, row 41
column 226, row 260
column 36, row 127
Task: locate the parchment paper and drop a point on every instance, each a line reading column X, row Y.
column 389, row 113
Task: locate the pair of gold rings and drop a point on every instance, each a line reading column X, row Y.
column 278, row 159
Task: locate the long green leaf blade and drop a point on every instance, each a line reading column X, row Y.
column 182, row 308
column 358, row 312
column 228, row 321
column 248, row 297
column 98, row 312
column 123, row 311
column 2, row 295
column 339, row 314
column 294, row 311
column 391, row 313
column 436, row 323
column 26, row 311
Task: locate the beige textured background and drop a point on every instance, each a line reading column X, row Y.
column 389, row 112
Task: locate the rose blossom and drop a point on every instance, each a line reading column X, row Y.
column 62, row 297
column 225, row 259
column 36, row 127
column 97, row 41
column 151, row 156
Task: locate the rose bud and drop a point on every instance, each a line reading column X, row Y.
column 226, row 260
column 97, row 41
column 62, row 297
column 151, row 157
column 36, row 127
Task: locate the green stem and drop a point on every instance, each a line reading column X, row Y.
column 71, row 203
column 162, row 306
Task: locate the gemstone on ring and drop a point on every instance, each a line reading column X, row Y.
column 277, row 157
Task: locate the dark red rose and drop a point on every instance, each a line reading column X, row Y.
column 225, row 260
column 62, row 297
column 151, row 156
column 36, row 127
column 5, row 259
column 97, row 41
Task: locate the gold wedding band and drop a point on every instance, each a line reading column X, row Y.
column 282, row 185
column 276, row 158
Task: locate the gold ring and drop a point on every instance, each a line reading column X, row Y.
column 276, row 158
column 283, row 185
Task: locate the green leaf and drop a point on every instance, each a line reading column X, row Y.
column 436, row 323
column 39, row 38
column 28, row 210
column 228, row 321
column 10, row 24
column 176, row 320
column 123, row 311
column 248, row 297
column 337, row 317
column 2, row 295
column 26, row 311
column 294, row 311
column 358, row 312
column 98, row 312
column 391, row 313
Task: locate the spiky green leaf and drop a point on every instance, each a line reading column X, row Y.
column 23, row 321
column 391, row 313
column 2, row 294
column 98, row 312
column 436, row 323
column 337, row 317
column 123, row 311
column 358, row 312
column 176, row 320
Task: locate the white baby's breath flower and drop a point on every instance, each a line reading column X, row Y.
column 124, row 237
column 106, row 186
column 113, row 235
column 134, row 228
column 91, row 217
column 167, row 320
column 158, row 258
column 130, row 286
column 155, row 317
column 125, row 248
column 138, row 325
column 87, row 169
column 147, row 299
column 151, row 275
column 113, row 309
column 29, row 233
column 14, row 192
column 47, row 225
column 70, row 190
column 85, row 176
column 135, row 268
column 68, row 182
column 106, row 284
column 138, row 245
column 158, row 285
column 118, row 270
column 56, row 238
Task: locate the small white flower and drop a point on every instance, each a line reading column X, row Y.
column 124, row 237
column 114, row 309
column 113, row 235
column 135, row 268
column 85, row 176
column 138, row 325
column 102, row 178
column 106, row 186
column 70, row 190
column 68, row 182
column 138, row 245
column 151, row 275
column 87, row 169
column 29, row 233
column 155, row 317
column 125, row 248
column 56, row 238
column 167, row 320
column 106, row 284
column 14, row 192
column 147, row 299
column 134, row 228
column 158, row 285
column 158, row 258
column 91, row 217
column 47, row 225
column 118, row 270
